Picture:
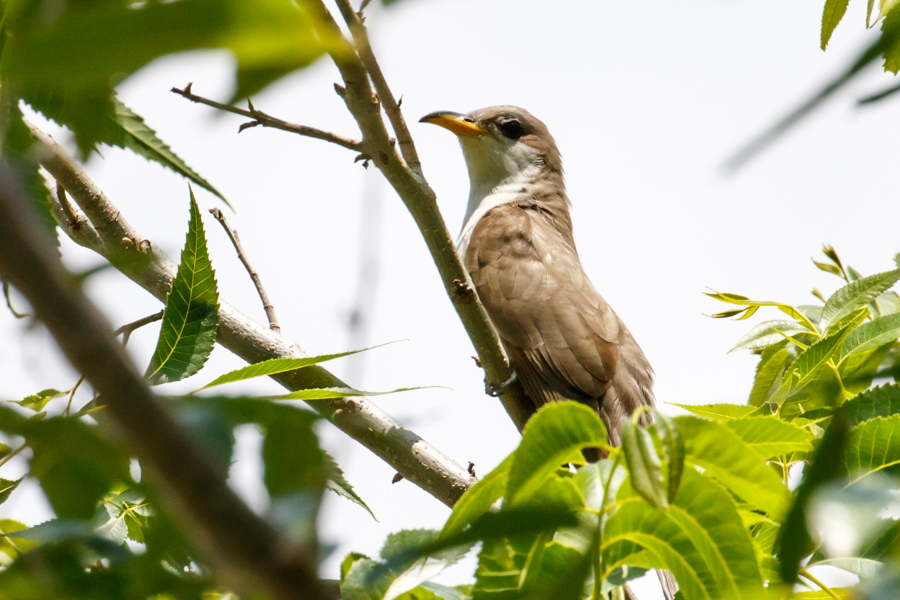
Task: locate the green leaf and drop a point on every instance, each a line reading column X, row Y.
column 700, row 538
column 6, row 488
column 883, row 401
column 768, row 333
column 191, row 317
column 769, row 371
column 74, row 465
column 770, row 436
column 858, row 370
column 278, row 365
column 872, row 447
column 644, row 465
column 132, row 133
column 869, row 335
column 37, row 402
column 855, row 295
column 832, row 15
column 338, row 483
column 807, row 365
column 717, row 412
column 478, row 499
column 722, row 454
column 89, row 43
column 794, row 542
column 551, row 438
column 293, row 460
column 754, row 305
column 673, row 446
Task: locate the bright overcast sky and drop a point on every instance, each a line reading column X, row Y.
column 646, row 101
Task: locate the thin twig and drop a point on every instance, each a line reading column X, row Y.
column 72, row 394
column 391, row 106
column 9, row 305
column 106, row 232
column 260, row 118
column 126, row 330
column 235, row 240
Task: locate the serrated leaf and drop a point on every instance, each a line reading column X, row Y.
column 338, row 483
column 815, row 357
column 769, row 371
column 551, row 438
column 859, row 370
column 717, row 412
column 37, row 402
column 883, row 401
column 700, row 538
column 831, row 16
column 278, row 365
column 722, row 454
column 770, row 436
column 869, row 335
column 191, row 317
column 338, row 392
column 872, row 446
column 754, row 305
column 644, row 464
column 673, row 445
column 768, row 333
column 855, row 295
column 132, row 133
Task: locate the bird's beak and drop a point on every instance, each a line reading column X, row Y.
column 455, row 122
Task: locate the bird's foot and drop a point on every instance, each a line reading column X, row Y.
column 495, row 389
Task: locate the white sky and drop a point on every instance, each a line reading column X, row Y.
column 646, row 101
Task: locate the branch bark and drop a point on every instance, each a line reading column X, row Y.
column 249, row 553
column 111, row 236
column 421, row 202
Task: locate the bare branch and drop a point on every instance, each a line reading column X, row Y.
column 236, row 242
column 421, row 202
column 391, row 106
column 72, row 220
column 260, row 118
column 361, row 419
column 257, row 558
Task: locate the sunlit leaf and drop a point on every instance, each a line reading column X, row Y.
column 191, row 317
column 37, row 402
column 834, row 12
column 673, row 445
column 337, row 483
column 815, row 357
column 644, row 464
column 855, row 295
column 478, row 499
column 767, row 333
column 770, row 436
column 769, row 371
column 875, row 333
column 718, row 412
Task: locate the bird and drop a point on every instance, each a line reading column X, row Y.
column 562, row 339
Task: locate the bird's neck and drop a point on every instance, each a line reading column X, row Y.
column 487, row 193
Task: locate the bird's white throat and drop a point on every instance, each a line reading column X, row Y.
column 499, row 173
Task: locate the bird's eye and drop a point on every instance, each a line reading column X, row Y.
column 511, row 128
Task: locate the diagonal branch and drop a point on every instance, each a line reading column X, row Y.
column 112, row 237
column 421, row 202
column 391, row 106
column 249, row 552
column 260, row 118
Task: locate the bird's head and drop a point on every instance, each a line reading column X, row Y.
column 501, row 143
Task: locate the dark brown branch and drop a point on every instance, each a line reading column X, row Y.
column 113, row 238
column 249, row 553
column 421, row 202
column 391, row 106
column 260, row 118
column 126, row 330
column 236, row 242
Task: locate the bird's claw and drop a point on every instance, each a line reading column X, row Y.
column 495, row 389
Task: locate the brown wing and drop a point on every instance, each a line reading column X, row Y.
column 563, row 339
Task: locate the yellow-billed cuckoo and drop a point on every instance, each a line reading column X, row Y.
column 562, row 338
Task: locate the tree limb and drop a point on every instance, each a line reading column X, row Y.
column 413, row 457
column 421, row 202
column 250, row 553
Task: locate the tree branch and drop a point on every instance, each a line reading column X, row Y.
column 413, row 457
column 421, row 202
column 260, row 118
column 391, row 107
column 257, row 281
column 249, row 553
